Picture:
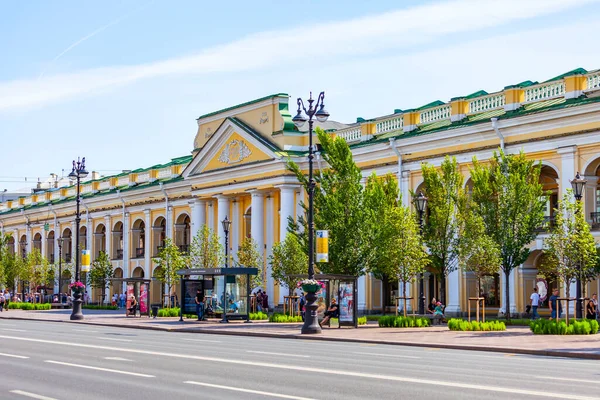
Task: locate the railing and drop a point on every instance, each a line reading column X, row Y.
column 139, row 252
column 119, row 254
column 549, row 222
column 487, row 103
column 389, row 125
column 435, row 114
column 353, row 134
column 545, row 91
column 184, row 248
column 593, row 80
column 595, row 216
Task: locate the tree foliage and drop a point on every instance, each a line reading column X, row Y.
column 338, row 208
column 288, row 258
column 206, row 251
column 443, row 188
column 169, row 261
column 100, row 273
column 570, row 247
column 249, row 256
column 511, row 202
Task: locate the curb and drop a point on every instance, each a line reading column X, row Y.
column 544, row 353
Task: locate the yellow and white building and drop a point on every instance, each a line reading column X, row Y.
column 237, row 169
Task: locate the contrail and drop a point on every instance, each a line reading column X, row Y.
column 94, row 33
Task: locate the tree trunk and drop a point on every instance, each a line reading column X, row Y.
column 404, row 295
column 507, row 298
column 443, row 290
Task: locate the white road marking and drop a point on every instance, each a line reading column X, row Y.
column 554, row 378
column 385, row 355
column 13, row 330
column 117, row 359
column 32, row 395
column 5, row 324
column 116, row 371
column 277, row 354
column 269, row 394
column 12, row 355
column 322, row 371
column 202, row 340
column 84, row 330
column 114, row 339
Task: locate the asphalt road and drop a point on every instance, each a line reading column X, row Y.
column 64, row 361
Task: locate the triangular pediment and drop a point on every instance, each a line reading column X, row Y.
column 233, row 144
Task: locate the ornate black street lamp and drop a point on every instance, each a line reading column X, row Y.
column 77, row 173
column 420, row 202
column 311, row 323
column 226, row 226
column 578, row 185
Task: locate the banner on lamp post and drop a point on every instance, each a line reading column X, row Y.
column 85, row 260
column 322, row 246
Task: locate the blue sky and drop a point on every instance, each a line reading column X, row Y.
column 121, row 82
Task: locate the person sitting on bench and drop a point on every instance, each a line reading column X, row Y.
column 438, row 312
column 132, row 306
column 332, row 312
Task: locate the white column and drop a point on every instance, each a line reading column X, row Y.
column 257, row 232
column 286, row 205
column 453, row 292
column 211, row 215
column 512, row 292
column 590, row 197
column 236, row 228
column 573, row 293
column 568, row 171
column 222, row 212
column 17, row 238
column 108, row 236
column 169, row 222
column 409, row 304
column 198, row 208
column 44, row 242
column 74, row 235
column 29, row 238
column 405, row 188
column 126, row 230
column 57, row 235
column 362, row 293
column 299, row 201
column 267, row 250
column 148, row 244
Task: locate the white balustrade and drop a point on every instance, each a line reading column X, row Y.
column 435, row 114
column 164, row 173
column 389, row 125
column 545, row 91
column 487, row 103
column 353, row 134
column 593, row 81
column 143, row 177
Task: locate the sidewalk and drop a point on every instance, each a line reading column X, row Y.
column 518, row 340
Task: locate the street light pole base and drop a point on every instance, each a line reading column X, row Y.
column 311, row 321
column 77, row 314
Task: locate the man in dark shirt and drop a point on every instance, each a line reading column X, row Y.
column 332, row 312
column 555, row 305
column 199, row 304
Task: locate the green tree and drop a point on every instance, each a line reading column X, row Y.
column 443, row 188
column 406, row 256
column 100, row 273
column 249, row 256
column 570, row 247
column 511, row 203
column 170, row 260
column 288, row 258
column 338, row 208
column 206, row 251
column 5, row 259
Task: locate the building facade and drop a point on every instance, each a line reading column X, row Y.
column 237, row 169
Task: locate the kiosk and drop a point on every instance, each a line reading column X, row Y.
column 226, row 290
column 140, row 288
column 345, row 289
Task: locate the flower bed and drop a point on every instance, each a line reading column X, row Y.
column 456, row 324
column 282, row 318
column 402, row 322
column 549, row 327
column 29, row 306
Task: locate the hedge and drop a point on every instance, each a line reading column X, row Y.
column 403, row 322
column 549, row 327
column 29, row 306
column 456, row 324
column 282, row 318
column 258, row 316
column 362, row 320
column 94, row 307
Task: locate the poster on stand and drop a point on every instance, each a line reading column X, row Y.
column 130, row 293
column 189, row 302
column 143, row 298
column 346, row 295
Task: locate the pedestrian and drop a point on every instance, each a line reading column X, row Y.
column 595, row 300
column 302, row 306
column 132, row 306
column 590, row 310
column 332, row 312
column 555, row 306
column 114, row 300
column 2, row 300
column 199, row 304
column 259, row 300
column 122, row 300
column 534, row 300
column 265, row 302
column 431, row 306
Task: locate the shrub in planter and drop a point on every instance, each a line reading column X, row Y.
column 258, row 316
column 168, row 312
column 362, row 320
column 282, row 318
column 456, row 324
column 391, row 321
column 29, row 306
column 549, row 327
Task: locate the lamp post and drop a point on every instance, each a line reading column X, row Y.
column 226, row 226
column 578, row 185
column 60, row 240
column 77, row 173
column 317, row 111
column 420, row 202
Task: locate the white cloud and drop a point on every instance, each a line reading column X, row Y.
column 370, row 34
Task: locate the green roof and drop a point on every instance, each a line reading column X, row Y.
column 284, row 95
